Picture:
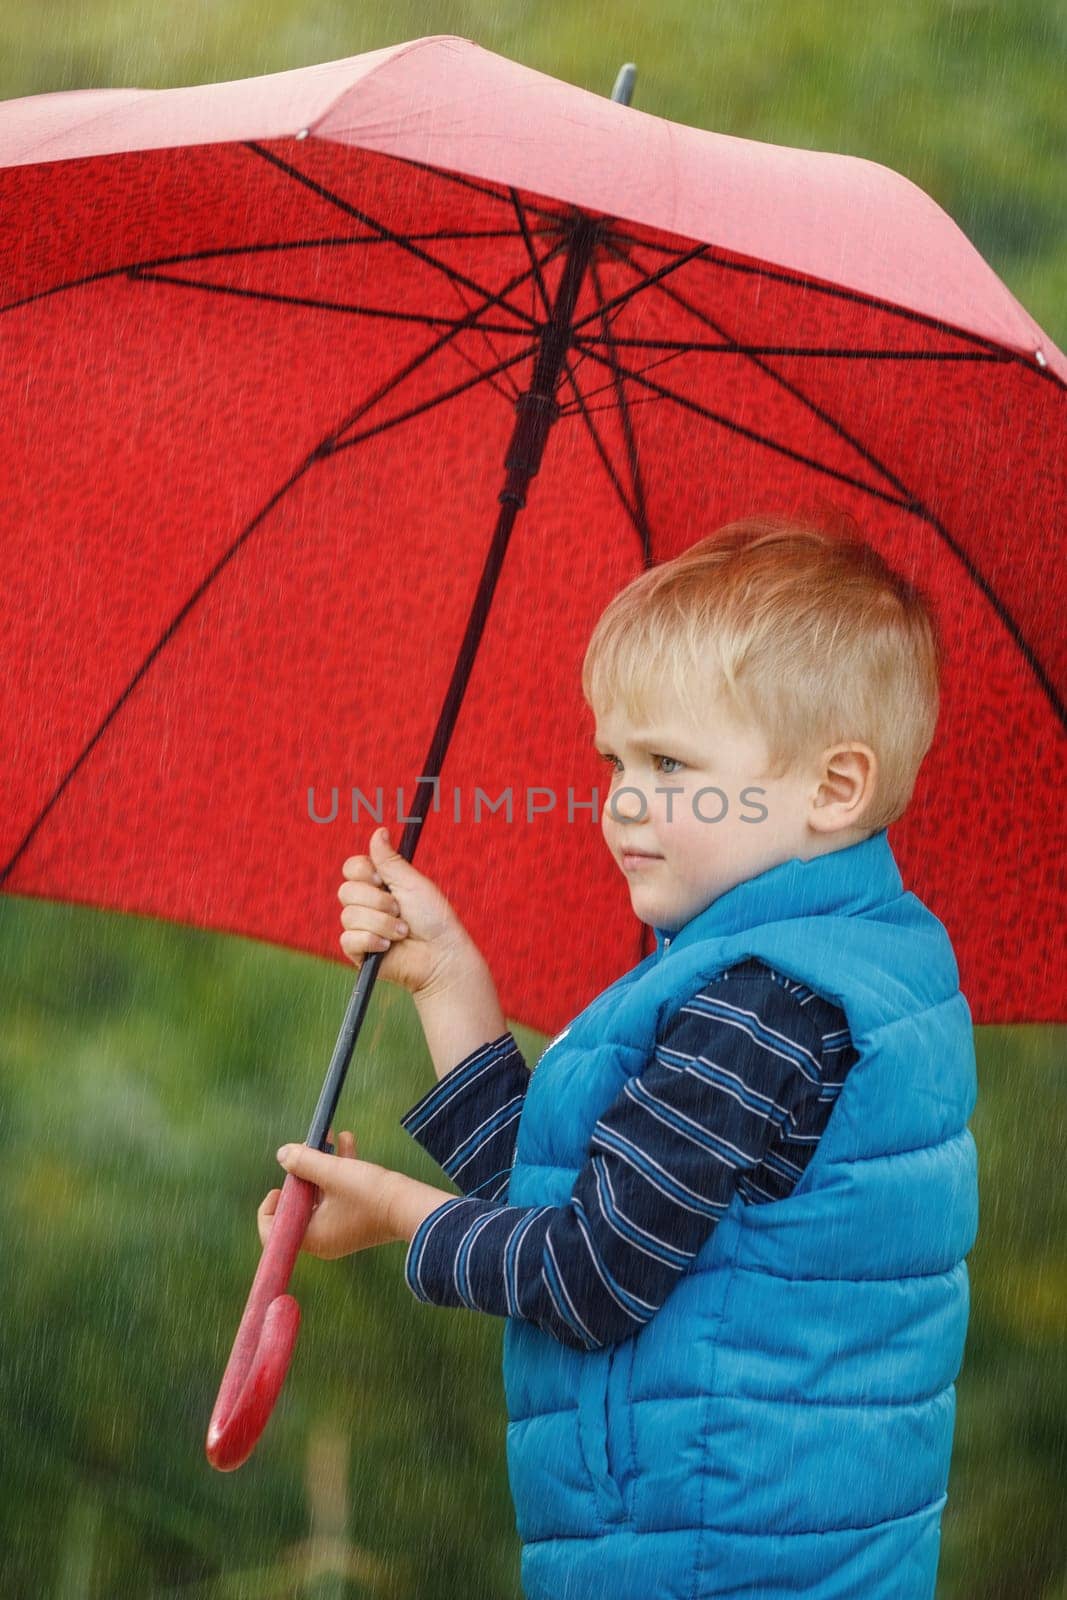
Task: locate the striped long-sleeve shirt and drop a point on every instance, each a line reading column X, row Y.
column 735, row 1096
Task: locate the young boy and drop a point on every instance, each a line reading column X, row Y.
column 727, row 1215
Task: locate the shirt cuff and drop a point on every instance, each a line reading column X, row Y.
column 469, row 1120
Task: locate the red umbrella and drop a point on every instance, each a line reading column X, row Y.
column 282, row 357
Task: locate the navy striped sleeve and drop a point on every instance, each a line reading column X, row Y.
column 736, row 1078
column 469, row 1121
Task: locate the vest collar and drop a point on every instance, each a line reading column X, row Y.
column 844, row 882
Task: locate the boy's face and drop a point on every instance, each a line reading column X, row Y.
column 700, row 845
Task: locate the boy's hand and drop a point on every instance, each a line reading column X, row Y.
column 359, row 1204
column 382, row 888
column 352, row 1211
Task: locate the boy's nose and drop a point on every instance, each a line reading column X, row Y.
column 629, row 805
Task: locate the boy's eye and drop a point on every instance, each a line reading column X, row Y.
column 677, row 763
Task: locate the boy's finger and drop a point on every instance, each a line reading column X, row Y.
column 313, row 1165
column 368, row 897
column 360, row 868
column 390, row 865
column 265, row 1215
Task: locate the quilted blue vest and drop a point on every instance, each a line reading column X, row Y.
column 783, row 1425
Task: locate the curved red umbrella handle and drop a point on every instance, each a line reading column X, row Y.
column 265, row 1338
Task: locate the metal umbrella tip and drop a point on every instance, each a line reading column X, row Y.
column 624, row 83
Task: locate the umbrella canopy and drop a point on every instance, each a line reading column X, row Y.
column 264, row 343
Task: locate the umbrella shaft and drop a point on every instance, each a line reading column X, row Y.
column 538, row 408
column 537, row 411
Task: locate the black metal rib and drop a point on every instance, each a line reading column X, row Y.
column 909, row 502
column 436, row 400
column 670, row 292
column 508, row 390
column 499, row 193
column 511, row 392
column 647, row 282
column 730, row 347
column 838, row 292
column 746, row 433
column 222, row 252
column 326, row 447
column 640, row 503
column 609, row 387
column 524, row 229
column 309, row 302
column 439, row 344
column 616, row 481
column 572, row 410
column 609, row 319
column 399, row 239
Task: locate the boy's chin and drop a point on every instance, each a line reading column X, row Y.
column 654, row 916
column 671, row 919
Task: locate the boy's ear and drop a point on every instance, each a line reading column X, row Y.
column 845, row 789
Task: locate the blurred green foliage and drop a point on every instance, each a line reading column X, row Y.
column 147, row 1074
column 147, row 1071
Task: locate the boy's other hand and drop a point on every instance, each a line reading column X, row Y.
column 390, row 906
column 352, row 1211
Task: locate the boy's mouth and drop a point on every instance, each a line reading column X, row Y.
column 636, row 860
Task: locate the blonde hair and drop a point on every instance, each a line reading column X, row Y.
column 815, row 640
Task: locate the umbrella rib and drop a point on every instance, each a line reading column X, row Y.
column 435, row 236
column 640, row 525
column 570, row 409
column 839, row 292
column 626, row 419
column 528, row 242
column 511, row 392
column 485, row 189
column 224, row 251
column 649, row 244
column 386, row 233
column 750, row 433
column 326, row 447
column 321, row 452
column 812, row 406
column 647, row 282
column 672, row 294
column 910, row 502
column 428, row 405
column 604, row 388
column 160, row 644
column 732, row 347
column 609, row 321
column 310, row 303
column 432, row 349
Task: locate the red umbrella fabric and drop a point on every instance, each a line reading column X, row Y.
column 263, row 346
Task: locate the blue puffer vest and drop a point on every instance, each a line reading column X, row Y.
column 783, row 1425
